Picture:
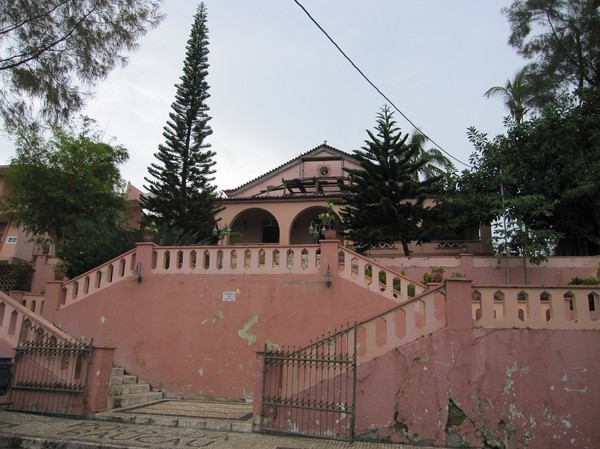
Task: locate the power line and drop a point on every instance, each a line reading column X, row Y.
column 375, row 87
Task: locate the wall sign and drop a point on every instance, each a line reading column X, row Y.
column 229, row 296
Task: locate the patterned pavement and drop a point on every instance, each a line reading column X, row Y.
column 31, row 431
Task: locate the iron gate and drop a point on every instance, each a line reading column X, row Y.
column 50, row 374
column 311, row 391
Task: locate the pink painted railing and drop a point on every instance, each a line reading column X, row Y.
column 572, row 307
column 366, row 273
column 12, row 315
column 31, row 301
column 238, row 259
column 243, row 259
column 407, row 322
column 116, row 270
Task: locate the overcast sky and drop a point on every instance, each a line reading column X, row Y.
column 279, row 88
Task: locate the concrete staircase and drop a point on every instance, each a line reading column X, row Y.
column 126, row 390
column 132, row 401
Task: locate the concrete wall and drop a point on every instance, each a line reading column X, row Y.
column 427, row 373
column 494, row 388
column 198, row 335
column 471, row 388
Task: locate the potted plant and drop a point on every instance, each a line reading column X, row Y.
column 60, row 270
column 328, row 219
column 150, row 230
column 438, row 274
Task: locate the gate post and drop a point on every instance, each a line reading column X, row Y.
column 259, row 389
column 101, row 364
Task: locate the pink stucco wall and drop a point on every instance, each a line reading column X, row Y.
column 184, row 335
column 492, row 270
column 467, row 388
column 427, row 375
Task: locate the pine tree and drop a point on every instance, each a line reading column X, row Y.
column 181, row 194
column 384, row 201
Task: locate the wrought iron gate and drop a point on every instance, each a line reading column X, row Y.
column 311, row 391
column 50, row 374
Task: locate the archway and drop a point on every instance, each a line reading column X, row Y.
column 300, row 231
column 254, row 226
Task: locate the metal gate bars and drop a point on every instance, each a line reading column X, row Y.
column 50, row 373
column 311, row 391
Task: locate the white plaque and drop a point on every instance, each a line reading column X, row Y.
column 229, row 296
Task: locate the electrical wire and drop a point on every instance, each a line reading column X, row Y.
column 375, row 87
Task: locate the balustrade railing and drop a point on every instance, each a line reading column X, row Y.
column 377, row 278
column 13, row 314
column 113, row 271
column 409, row 321
column 572, row 307
column 263, row 259
column 31, row 301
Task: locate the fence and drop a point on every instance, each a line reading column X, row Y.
column 50, row 373
column 311, row 391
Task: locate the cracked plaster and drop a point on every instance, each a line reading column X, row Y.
column 499, row 382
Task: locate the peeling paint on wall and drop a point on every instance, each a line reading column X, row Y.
column 218, row 316
column 271, row 345
column 249, row 337
column 509, row 372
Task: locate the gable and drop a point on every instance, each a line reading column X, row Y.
column 318, row 171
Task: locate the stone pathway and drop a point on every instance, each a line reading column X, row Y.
column 21, row 430
column 167, row 424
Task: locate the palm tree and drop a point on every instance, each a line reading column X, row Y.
column 437, row 164
column 516, row 94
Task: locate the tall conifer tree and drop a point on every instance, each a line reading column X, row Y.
column 384, row 202
column 181, row 193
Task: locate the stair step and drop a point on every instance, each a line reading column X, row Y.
column 117, row 371
column 119, row 390
column 190, row 414
column 123, row 380
column 128, row 400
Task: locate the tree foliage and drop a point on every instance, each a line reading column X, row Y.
column 562, row 38
column 56, row 183
column 181, row 194
column 53, row 52
column 516, row 94
column 543, row 175
column 89, row 244
column 437, row 165
column 384, row 201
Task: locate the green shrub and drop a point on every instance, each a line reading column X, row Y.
column 427, row 277
column 589, row 280
column 20, row 276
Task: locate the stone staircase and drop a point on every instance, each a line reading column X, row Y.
column 132, row 401
column 126, row 390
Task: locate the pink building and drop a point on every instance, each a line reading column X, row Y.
column 324, row 341
column 279, row 206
